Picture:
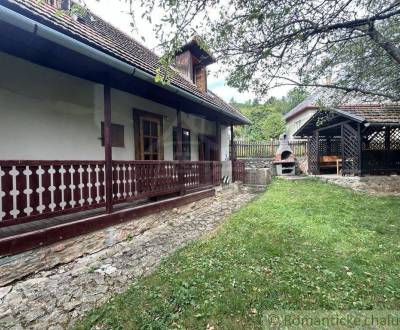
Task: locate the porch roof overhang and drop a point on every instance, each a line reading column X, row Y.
column 327, row 121
column 26, row 38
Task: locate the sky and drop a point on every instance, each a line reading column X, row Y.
column 116, row 12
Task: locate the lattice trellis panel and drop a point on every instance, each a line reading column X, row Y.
column 313, row 154
column 34, row 190
column 351, row 151
column 373, row 139
column 395, row 139
column 336, row 146
column 330, row 146
column 322, row 146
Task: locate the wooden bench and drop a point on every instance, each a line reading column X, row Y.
column 330, row 162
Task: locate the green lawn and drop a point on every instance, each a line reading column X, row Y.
column 301, row 245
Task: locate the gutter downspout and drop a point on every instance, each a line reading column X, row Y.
column 24, row 23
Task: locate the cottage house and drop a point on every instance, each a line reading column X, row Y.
column 302, row 112
column 84, row 127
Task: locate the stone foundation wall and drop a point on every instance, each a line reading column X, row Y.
column 301, row 164
column 23, row 264
column 63, row 281
column 258, row 162
column 374, row 184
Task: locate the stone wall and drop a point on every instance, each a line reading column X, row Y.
column 258, row 162
column 51, row 287
column 372, row 184
column 301, row 163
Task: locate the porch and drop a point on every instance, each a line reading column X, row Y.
column 47, row 201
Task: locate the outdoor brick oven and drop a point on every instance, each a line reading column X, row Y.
column 285, row 162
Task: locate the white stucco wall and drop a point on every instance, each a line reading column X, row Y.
column 294, row 123
column 46, row 114
column 225, row 138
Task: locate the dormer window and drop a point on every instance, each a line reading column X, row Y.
column 192, row 60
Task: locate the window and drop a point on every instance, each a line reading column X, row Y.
column 148, row 135
column 150, row 131
column 186, row 151
column 117, row 135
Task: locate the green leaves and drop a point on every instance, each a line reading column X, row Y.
column 267, row 119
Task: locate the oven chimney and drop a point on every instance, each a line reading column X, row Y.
column 285, row 162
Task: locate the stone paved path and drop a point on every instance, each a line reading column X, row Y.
column 55, row 299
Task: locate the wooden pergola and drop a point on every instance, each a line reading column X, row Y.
column 364, row 139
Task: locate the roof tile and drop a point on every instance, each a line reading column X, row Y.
column 96, row 32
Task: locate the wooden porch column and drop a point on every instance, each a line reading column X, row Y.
column 218, row 138
column 179, row 148
column 179, row 152
column 108, row 148
column 233, row 149
column 342, row 147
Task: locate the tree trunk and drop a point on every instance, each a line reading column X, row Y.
column 384, row 43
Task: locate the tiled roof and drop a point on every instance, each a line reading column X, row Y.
column 105, row 37
column 370, row 112
column 309, row 103
column 374, row 113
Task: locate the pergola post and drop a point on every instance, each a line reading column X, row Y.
column 317, row 150
column 342, row 148
column 108, row 148
column 387, row 138
column 359, row 149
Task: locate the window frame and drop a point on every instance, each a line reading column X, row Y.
column 138, row 117
column 115, row 142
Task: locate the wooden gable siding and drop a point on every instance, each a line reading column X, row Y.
column 201, row 78
column 184, row 63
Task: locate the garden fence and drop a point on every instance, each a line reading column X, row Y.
column 266, row 149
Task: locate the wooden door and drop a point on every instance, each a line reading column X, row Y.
column 208, row 148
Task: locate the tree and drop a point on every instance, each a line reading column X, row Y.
column 351, row 46
column 267, row 119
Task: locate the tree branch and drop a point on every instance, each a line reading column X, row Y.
column 384, row 43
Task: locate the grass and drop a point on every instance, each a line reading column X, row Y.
column 301, row 245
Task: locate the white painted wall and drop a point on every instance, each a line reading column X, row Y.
column 225, row 139
column 46, row 114
column 294, row 123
